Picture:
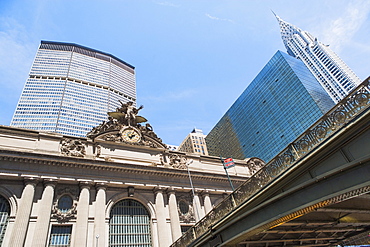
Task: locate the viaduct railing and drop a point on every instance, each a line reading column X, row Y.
column 352, row 106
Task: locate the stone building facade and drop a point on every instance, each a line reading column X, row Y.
column 60, row 190
column 195, row 142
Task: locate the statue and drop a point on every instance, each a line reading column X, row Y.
column 128, row 114
column 124, row 125
column 148, row 130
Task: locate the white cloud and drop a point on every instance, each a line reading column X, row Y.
column 218, row 19
column 341, row 30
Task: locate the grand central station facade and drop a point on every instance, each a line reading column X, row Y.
column 119, row 186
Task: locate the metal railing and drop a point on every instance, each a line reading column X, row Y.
column 346, row 110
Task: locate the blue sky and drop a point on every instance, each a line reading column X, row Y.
column 193, row 58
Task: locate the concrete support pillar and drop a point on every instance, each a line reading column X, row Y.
column 82, row 215
column 207, row 203
column 174, row 215
column 43, row 217
column 18, row 236
column 164, row 237
column 99, row 221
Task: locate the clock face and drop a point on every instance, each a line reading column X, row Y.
column 131, row 135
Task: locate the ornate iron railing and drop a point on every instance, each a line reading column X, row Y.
column 352, row 106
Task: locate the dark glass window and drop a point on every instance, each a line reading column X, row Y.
column 60, row 236
column 184, row 207
column 65, row 203
column 184, row 229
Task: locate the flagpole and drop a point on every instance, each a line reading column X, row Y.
column 192, row 187
column 228, row 177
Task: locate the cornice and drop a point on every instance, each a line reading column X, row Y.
column 7, row 130
column 84, row 163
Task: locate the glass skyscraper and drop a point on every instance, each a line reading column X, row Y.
column 279, row 104
column 332, row 73
column 71, row 88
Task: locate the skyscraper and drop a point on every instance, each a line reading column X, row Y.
column 71, row 88
column 279, row 104
column 333, row 74
column 194, row 143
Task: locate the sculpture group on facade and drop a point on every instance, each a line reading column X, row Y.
column 126, row 126
column 129, row 114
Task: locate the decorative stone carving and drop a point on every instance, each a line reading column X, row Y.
column 124, row 126
column 111, row 124
column 64, row 217
column 177, row 161
column 98, row 151
column 108, row 158
column 71, row 147
column 320, row 131
column 254, row 164
column 361, row 99
column 147, row 129
column 185, row 210
column 61, row 212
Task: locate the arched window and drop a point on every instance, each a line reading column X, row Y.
column 129, row 225
column 4, row 216
column 65, row 203
column 184, row 207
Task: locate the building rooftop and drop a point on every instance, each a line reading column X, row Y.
column 53, row 45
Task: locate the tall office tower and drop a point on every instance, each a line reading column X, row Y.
column 194, row 143
column 279, row 104
column 333, row 74
column 71, row 88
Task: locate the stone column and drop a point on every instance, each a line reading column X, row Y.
column 43, row 217
column 174, row 215
column 99, row 221
column 82, row 215
column 164, row 238
column 18, row 236
column 207, row 203
column 199, row 213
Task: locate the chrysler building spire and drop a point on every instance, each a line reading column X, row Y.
column 333, row 74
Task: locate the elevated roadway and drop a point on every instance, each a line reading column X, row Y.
column 316, row 192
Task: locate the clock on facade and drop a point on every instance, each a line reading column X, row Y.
column 131, row 135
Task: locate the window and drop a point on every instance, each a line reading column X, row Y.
column 184, row 229
column 60, row 236
column 65, row 203
column 129, row 224
column 184, row 207
column 4, row 216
